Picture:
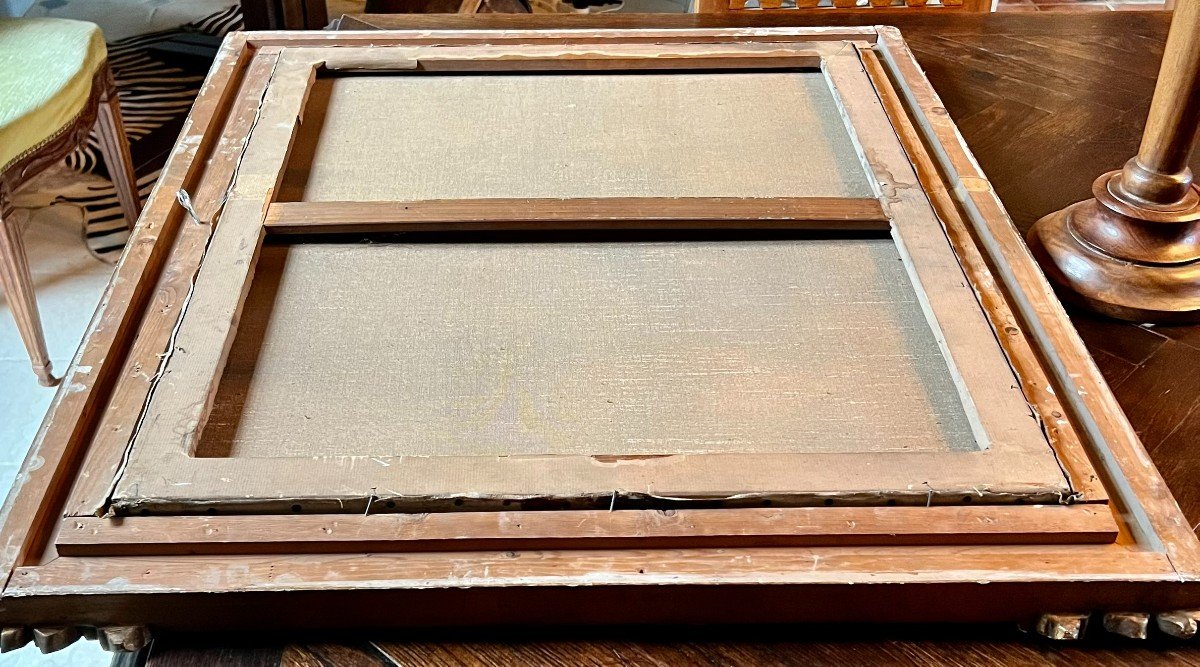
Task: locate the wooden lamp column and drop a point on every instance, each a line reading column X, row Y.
column 1133, row 251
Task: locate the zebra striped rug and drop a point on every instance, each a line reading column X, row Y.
column 156, row 88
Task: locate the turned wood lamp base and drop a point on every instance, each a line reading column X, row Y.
column 1133, row 250
column 1132, row 261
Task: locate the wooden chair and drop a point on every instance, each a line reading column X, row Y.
column 55, row 84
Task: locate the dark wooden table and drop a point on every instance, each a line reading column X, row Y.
column 284, row 14
column 1047, row 102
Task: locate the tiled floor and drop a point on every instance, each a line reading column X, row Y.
column 1077, row 5
column 124, row 18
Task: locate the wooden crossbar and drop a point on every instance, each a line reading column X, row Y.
column 816, row 213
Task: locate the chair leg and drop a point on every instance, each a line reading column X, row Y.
column 18, row 290
column 114, row 146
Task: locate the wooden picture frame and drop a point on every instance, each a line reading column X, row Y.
column 1105, row 536
column 1013, row 459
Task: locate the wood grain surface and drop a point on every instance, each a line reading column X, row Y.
column 1046, row 102
column 477, row 531
column 339, row 217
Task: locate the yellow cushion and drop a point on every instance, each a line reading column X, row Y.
column 46, row 70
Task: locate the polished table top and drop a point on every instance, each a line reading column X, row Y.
column 1047, row 102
